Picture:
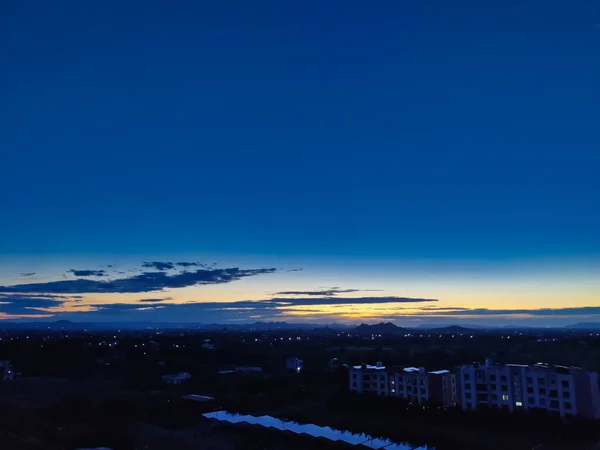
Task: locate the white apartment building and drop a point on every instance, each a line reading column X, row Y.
column 410, row 383
column 367, row 378
column 566, row 391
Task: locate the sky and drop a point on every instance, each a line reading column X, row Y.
column 342, row 161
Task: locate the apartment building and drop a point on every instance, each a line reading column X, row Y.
column 562, row 390
column 367, row 378
column 410, row 383
column 442, row 387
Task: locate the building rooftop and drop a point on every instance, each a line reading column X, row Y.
column 198, row 398
column 440, row 372
column 177, row 376
column 369, row 367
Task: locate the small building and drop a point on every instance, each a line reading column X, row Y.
column 294, row 364
column 334, row 363
column 177, row 378
column 6, row 371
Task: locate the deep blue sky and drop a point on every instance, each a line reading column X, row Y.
column 424, row 129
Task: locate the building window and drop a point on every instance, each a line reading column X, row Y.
column 518, row 403
column 542, row 381
column 531, row 400
column 568, row 405
column 393, row 390
column 542, row 391
column 565, row 383
column 530, row 390
column 494, row 397
column 492, row 377
column 529, row 380
column 504, row 397
column 503, row 378
column 505, row 387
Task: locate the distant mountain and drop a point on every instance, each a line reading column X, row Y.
column 451, row 329
column 469, row 326
column 584, row 326
column 379, row 328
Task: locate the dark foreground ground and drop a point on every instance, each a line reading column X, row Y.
column 51, row 413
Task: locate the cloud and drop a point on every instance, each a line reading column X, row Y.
column 145, row 282
column 88, row 273
column 154, row 300
column 4, row 296
column 195, row 264
column 544, row 312
column 24, row 304
column 329, row 292
column 159, row 265
column 344, row 300
column 27, row 274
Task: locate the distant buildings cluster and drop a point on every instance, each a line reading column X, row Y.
column 562, row 390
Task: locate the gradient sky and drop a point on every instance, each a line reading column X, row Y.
column 406, row 151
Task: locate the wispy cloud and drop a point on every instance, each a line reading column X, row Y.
column 145, row 282
column 27, row 274
column 24, row 304
column 300, row 301
column 88, row 273
column 329, row 292
column 160, row 265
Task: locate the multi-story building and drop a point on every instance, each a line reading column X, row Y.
column 410, row 383
column 442, row 387
column 566, row 391
column 367, row 378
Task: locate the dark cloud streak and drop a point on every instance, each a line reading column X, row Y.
column 159, row 265
column 145, row 282
column 88, row 273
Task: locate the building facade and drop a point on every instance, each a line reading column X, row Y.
column 562, row 390
column 366, row 378
column 293, row 364
column 413, row 384
column 6, row 371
